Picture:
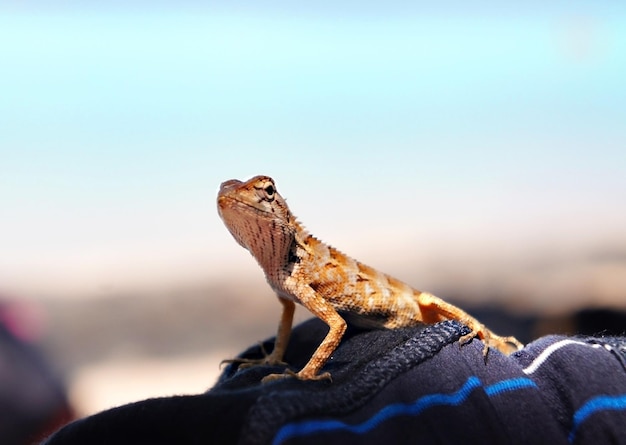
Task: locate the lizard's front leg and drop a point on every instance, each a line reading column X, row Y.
column 282, row 339
column 322, row 309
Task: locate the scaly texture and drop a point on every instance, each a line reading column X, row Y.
column 334, row 287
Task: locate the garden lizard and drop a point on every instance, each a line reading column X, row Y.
column 332, row 286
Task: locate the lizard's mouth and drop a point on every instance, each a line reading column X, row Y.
column 234, row 205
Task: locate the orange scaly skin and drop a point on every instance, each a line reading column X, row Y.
column 301, row 269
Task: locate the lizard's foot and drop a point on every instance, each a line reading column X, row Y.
column 251, row 362
column 469, row 337
column 297, row 375
column 506, row 345
column 267, row 359
column 511, row 344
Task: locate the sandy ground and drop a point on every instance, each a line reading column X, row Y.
column 99, row 386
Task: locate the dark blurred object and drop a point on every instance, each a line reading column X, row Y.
column 32, row 400
column 600, row 322
column 588, row 321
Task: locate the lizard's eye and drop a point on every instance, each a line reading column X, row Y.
column 269, row 190
column 265, row 190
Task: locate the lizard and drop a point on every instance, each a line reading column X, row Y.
column 331, row 285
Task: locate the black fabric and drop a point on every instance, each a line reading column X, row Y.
column 413, row 385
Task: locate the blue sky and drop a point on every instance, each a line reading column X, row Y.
column 117, row 123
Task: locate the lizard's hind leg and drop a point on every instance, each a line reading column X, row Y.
column 434, row 309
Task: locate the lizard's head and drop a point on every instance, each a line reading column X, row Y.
column 250, row 208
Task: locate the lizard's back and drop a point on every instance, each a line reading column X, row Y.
column 362, row 294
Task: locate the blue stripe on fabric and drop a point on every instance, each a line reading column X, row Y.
column 600, row 403
column 509, row 385
column 310, row 427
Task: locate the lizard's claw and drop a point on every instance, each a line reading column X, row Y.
column 296, row 375
column 469, row 337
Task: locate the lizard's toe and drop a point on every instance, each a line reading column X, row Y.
column 467, row 338
column 275, row 377
column 296, row 375
column 244, row 363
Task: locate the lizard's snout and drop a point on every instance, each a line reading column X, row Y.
column 229, row 185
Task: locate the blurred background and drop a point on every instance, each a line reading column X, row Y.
column 474, row 151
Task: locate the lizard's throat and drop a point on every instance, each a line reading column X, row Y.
column 269, row 242
column 275, row 256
